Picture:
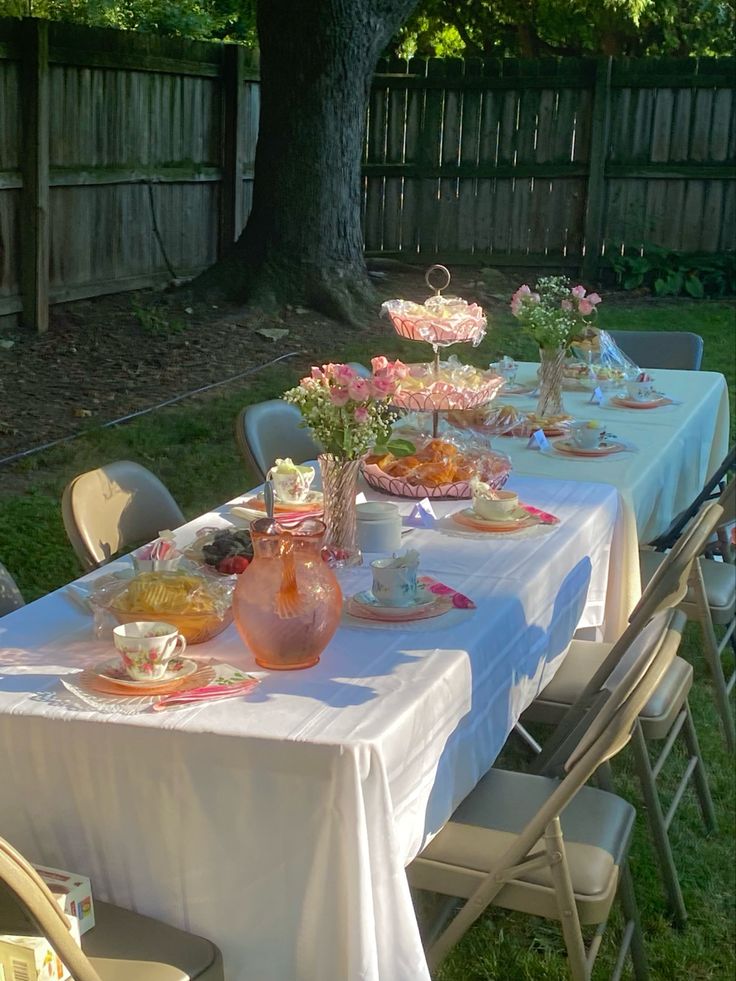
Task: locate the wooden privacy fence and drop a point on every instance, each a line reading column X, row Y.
column 123, row 157
column 550, row 162
column 126, row 158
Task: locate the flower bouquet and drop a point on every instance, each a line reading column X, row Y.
column 554, row 315
column 349, row 415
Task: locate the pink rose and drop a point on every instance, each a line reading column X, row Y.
column 339, row 396
column 585, row 307
column 343, row 373
column 317, row 373
column 358, row 389
column 379, row 364
column 566, row 305
column 578, row 292
column 521, row 296
column 593, row 298
column 399, row 369
column 382, row 387
column 361, row 414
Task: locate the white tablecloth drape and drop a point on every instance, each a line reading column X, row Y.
column 678, row 448
column 280, row 825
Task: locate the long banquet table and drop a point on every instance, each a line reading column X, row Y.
column 280, row 824
column 677, row 447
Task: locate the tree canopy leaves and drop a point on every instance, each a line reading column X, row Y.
column 454, row 28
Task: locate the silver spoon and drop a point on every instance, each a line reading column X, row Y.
column 268, row 498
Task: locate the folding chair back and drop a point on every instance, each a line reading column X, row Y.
column 656, row 349
column 608, row 732
column 115, row 506
column 272, row 429
column 10, row 595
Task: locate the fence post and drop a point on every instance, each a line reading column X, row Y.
column 596, row 195
column 231, row 199
column 35, row 168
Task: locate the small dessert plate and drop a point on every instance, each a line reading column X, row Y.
column 518, row 519
column 518, row 388
column 648, row 403
column 178, row 669
column 423, row 599
column 605, row 448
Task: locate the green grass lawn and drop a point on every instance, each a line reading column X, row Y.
column 192, row 449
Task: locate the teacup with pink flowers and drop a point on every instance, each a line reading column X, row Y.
column 147, row 648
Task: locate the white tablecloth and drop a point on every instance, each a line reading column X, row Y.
column 280, row 825
column 678, row 448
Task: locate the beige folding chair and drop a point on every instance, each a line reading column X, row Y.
column 589, row 670
column 272, row 429
column 118, row 505
column 711, row 600
column 549, row 847
column 661, row 349
column 10, row 595
column 122, row 946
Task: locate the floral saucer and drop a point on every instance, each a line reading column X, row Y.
column 423, row 599
column 658, row 399
column 514, row 521
column 178, row 669
column 606, row 447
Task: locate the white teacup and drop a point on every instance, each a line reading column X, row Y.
column 640, row 390
column 147, row 647
column 291, row 482
column 394, row 585
column 586, row 436
column 493, row 505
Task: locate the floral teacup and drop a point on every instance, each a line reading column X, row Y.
column 146, row 648
column 394, row 582
column 587, row 435
column 291, row 482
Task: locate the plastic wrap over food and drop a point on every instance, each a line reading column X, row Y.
column 198, row 605
column 453, row 386
column 508, row 420
column 599, row 361
column 441, row 466
column 440, row 320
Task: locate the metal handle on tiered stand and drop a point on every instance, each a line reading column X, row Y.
column 437, row 290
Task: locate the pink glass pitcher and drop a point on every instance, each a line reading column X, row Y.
column 287, row 603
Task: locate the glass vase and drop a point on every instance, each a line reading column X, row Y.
column 552, row 363
column 339, row 487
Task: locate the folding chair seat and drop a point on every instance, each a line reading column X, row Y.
column 590, row 668
column 553, row 847
column 122, row 946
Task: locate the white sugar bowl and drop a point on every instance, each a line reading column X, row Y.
column 379, row 526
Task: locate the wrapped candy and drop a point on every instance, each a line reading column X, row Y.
column 448, row 386
column 440, row 320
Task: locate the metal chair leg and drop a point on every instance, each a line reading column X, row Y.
column 699, row 775
column 712, row 654
column 631, row 913
column 577, row 959
column 658, row 827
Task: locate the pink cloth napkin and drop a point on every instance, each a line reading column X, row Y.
column 544, row 517
column 459, row 600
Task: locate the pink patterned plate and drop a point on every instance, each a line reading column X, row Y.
column 178, row 669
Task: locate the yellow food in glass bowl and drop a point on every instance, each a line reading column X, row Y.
column 199, row 608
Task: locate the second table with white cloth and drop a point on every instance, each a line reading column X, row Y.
column 677, row 448
column 280, row 824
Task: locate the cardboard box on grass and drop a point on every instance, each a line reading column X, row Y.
column 33, row 958
column 72, row 892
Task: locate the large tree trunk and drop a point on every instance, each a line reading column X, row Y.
column 303, row 242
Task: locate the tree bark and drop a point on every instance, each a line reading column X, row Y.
column 303, row 242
